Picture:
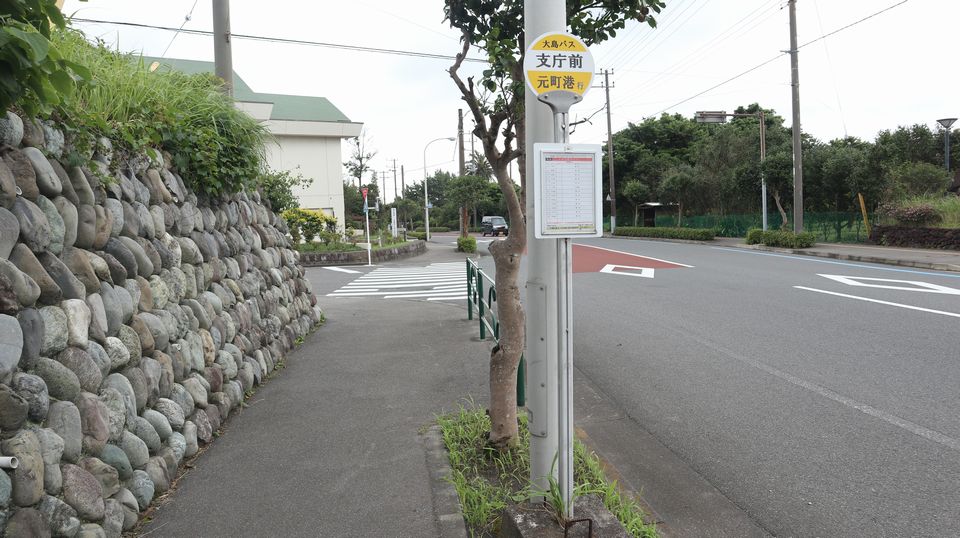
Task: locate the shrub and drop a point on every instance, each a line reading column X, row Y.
column 433, row 229
column 692, row 234
column 308, row 224
column 467, row 244
column 278, row 187
column 913, row 215
column 417, row 235
column 216, row 148
column 916, row 237
column 780, row 238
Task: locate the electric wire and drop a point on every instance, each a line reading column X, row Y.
column 186, row 19
column 732, row 31
column 638, row 59
column 833, row 74
column 289, row 41
column 621, row 50
column 777, row 57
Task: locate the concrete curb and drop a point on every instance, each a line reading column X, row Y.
column 856, row 258
column 607, row 235
column 359, row 257
column 446, row 502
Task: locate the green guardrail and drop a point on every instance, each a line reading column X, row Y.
column 487, row 316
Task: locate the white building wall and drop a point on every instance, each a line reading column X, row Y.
column 317, row 158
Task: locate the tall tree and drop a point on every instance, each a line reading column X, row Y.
column 495, row 28
column 360, row 157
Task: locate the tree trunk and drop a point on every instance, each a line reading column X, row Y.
column 636, row 211
column 505, row 357
column 783, row 214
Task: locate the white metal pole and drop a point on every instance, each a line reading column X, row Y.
column 426, row 197
column 540, row 16
column 366, row 216
column 763, row 157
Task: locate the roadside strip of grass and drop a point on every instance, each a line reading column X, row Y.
column 487, row 480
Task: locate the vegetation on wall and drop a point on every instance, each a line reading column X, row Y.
column 34, row 74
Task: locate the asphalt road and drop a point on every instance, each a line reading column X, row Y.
column 821, row 410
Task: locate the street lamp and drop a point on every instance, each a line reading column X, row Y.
column 721, row 116
column 426, row 197
column 946, row 123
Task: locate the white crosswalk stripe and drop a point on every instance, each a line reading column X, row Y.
column 436, row 282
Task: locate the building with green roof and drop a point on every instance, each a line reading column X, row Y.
column 308, row 133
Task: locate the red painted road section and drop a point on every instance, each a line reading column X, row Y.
column 588, row 259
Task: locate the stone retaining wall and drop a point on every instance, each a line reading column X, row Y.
column 133, row 319
column 358, row 257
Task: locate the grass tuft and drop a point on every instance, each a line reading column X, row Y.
column 487, row 480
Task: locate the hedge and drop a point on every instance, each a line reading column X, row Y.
column 693, row 234
column 917, row 237
column 417, row 235
column 467, row 244
column 779, row 238
column 433, row 229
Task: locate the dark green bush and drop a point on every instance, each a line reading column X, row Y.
column 433, row 229
column 692, row 234
column 417, row 235
column 467, row 244
column 780, row 238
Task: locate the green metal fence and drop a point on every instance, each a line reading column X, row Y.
column 486, row 313
column 838, row 227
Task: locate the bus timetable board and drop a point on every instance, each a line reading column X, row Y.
column 567, row 190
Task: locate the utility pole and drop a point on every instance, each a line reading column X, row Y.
column 464, row 227
column 222, row 54
column 394, row 181
column 403, row 181
column 613, row 188
column 797, row 147
column 542, row 336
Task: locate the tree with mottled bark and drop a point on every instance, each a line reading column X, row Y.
column 495, row 101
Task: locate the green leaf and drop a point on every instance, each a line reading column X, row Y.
column 62, row 82
column 39, row 45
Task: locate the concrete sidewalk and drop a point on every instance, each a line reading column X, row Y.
column 333, row 444
column 939, row 260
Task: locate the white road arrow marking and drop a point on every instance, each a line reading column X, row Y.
column 913, row 285
column 643, row 272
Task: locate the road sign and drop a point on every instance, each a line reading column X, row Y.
column 558, row 61
column 566, row 187
column 364, row 192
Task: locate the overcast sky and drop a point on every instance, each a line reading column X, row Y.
column 898, row 68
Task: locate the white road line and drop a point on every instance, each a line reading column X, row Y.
column 407, row 285
column 389, row 294
column 457, row 298
column 908, row 307
column 912, row 427
column 342, row 270
column 923, row 287
column 632, row 254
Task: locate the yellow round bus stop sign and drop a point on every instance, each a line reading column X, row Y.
column 558, row 62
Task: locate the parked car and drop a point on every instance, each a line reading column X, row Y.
column 494, row 226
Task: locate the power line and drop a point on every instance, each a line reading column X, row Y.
column 777, row 57
column 186, row 19
column 356, row 48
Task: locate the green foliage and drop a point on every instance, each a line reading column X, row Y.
column 691, row 234
column 918, row 179
column 467, row 244
column 278, row 187
column 34, row 74
column 780, row 238
column 913, row 215
column 308, row 224
column 487, row 480
column 433, row 229
column 947, row 207
column 216, row 148
column 417, row 235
